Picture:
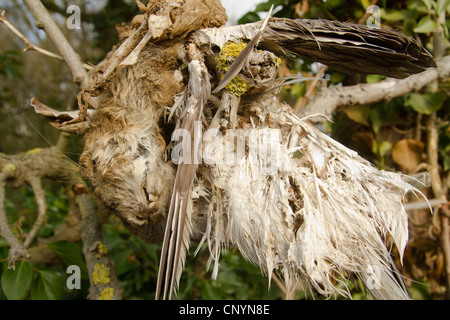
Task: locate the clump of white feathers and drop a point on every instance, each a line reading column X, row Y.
column 307, row 208
column 324, row 214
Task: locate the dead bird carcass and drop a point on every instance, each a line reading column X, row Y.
column 307, row 208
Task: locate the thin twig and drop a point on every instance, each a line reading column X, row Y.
column 71, row 58
column 445, row 240
column 425, row 204
column 433, row 155
column 303, row 101
column 30, row 46
column 440, row 220
column 39, row 195
column 367, row 14
column 29, row 168
column 16, row 250
column 279, row 283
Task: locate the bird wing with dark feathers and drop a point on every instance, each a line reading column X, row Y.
column 347, row 47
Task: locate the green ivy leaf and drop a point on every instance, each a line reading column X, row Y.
column 265, row 6
column 365, row 3
column 3, row 243
column 331, row 4
column 426, row 103
column 249, row 17
column 187, row 289
column 392, row 15
column 374, row 78
column 425, row 25
column 428, row 3
column 336, row 77
column 209, row 292
column 446, row 162
column 298, row 89
column 47, row 286
column 70, row 253
column 16, row 282
column 443, row 5
column 359, row 114
column 121, row 261
column 376, row 119
column 384, row 148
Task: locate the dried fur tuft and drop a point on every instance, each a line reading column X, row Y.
column 123, row 156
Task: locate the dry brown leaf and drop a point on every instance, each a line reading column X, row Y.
column 407, row 153
column 359, row 114
column 363, row 140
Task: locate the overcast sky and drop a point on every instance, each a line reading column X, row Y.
column 237, row 8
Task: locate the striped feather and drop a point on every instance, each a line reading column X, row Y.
column 178, row 228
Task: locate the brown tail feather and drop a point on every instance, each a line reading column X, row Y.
column 347, row 47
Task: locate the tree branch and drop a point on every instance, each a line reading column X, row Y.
column 29, row 168
column 16, row 249
column 102, row 276
column 105, row 72
column 440, row 220
column 328, row 99
column 303, row 101
column 71, row 58
column 104, row 284
column 31, row 46
column 36, row 185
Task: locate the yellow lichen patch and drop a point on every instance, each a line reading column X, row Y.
column 237, row 86
column 227, row 55
column 278, row 62
column 100, row 275
column 107, row 294
column 9, row 167
column 101, row 248
column 34, row 151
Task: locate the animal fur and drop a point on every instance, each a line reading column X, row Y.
column 124, row 152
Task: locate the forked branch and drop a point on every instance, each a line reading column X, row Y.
column 69, row 55
column 327, row 100
column 31, row 46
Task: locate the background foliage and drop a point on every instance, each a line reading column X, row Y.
column 390, row 134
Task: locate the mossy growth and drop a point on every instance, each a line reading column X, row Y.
column 229, row 52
